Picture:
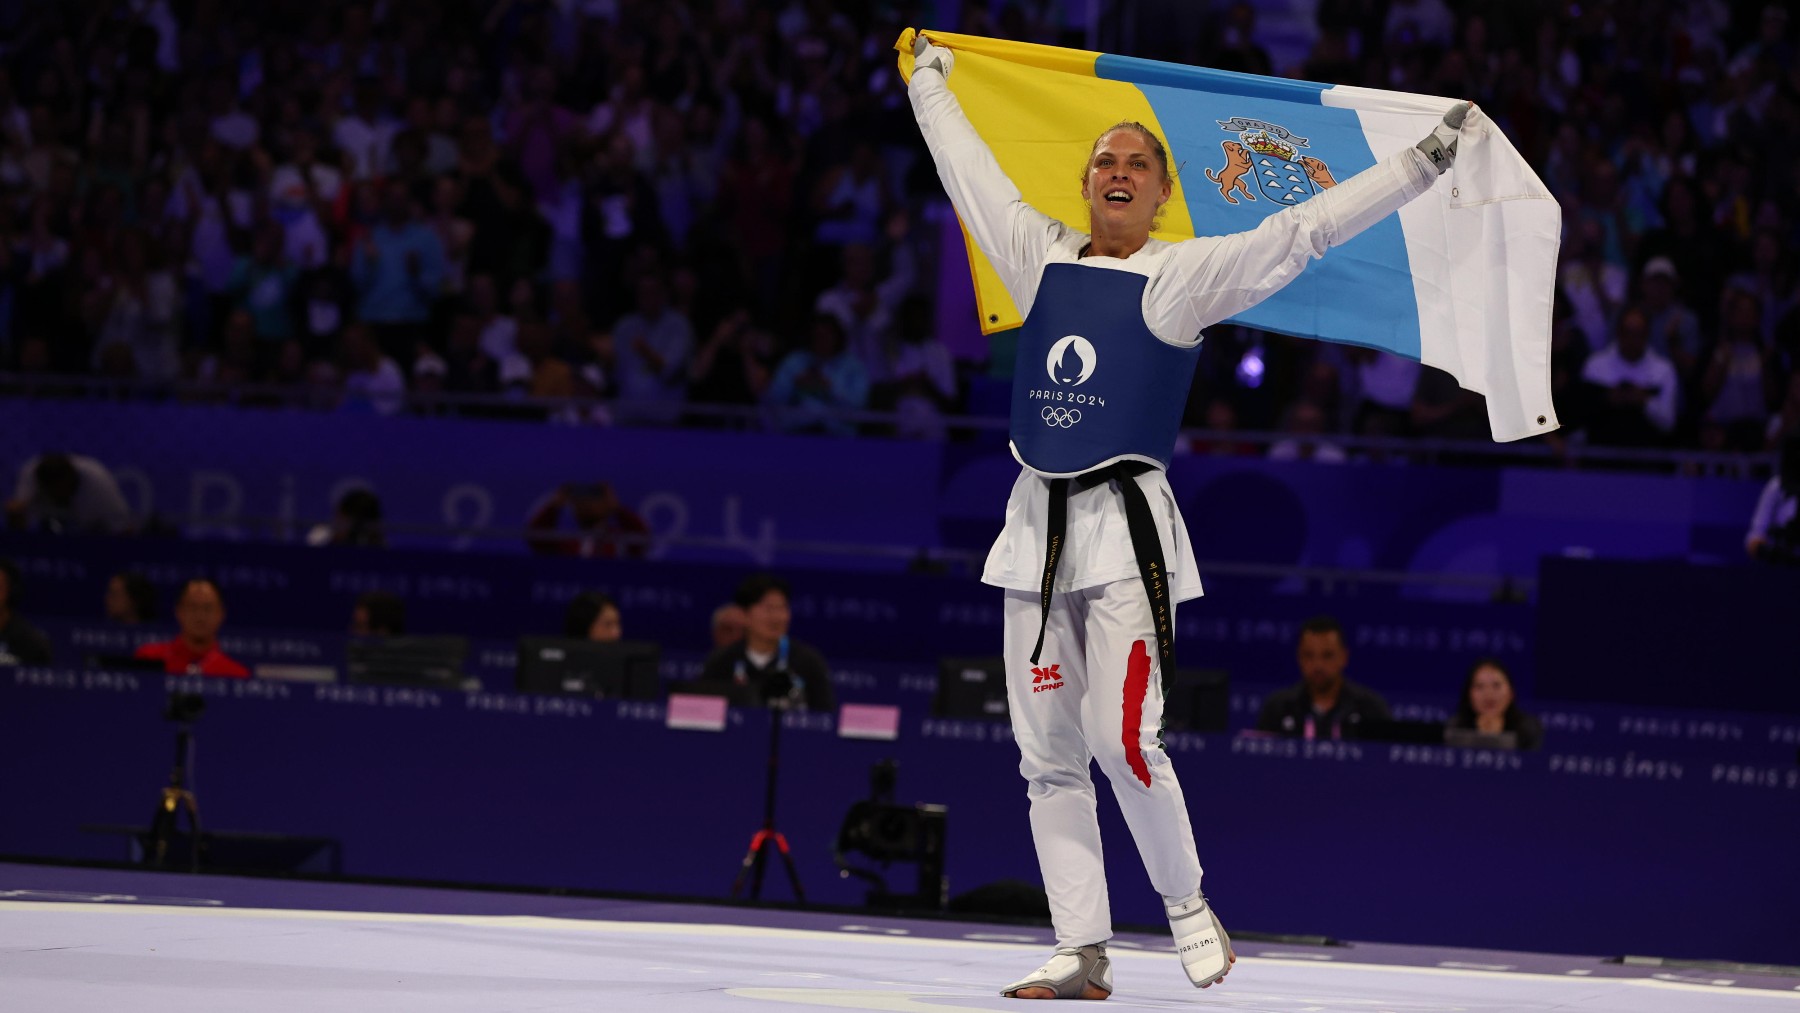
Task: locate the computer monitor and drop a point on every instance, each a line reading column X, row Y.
column 973, row 689
column 1198, row 700
column 618, row 670
column 425, row 662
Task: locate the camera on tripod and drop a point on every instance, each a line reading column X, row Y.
column 886, row 832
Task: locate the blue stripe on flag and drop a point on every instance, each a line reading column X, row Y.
column 1132, row 70
column 1360, row 293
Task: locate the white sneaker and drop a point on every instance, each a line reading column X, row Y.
column 1200, row 940
column 1069, row 973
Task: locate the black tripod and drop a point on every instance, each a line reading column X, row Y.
column 176, row 798
column 756, row 859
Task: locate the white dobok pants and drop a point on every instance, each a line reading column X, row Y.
column 1095, row 693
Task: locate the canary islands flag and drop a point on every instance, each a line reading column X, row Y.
column 1461, row 278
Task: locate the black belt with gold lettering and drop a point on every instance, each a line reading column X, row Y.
column 1146, row 544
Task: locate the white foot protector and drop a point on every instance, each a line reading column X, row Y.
column 1068, row 973
column 1200, row 940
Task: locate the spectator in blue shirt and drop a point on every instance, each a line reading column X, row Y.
column 263, row 283
column 814, row 384
column 399, row 271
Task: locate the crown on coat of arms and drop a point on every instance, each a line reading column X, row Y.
column 1263, row 144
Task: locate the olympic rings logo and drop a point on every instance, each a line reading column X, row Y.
column 1062, row 418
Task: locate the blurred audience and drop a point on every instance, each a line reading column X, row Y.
column 1323, row 704
column 814, row 385
column 60, row 493
column 355, row 521
column 184, row 189
column 1775, row 526
column 605, row 527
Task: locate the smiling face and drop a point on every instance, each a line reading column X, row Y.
column 1490, row 692
column 1126, row 183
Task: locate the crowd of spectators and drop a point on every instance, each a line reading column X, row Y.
column 724, row 202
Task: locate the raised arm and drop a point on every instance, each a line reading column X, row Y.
column 1013, row 234
column 1213, row 278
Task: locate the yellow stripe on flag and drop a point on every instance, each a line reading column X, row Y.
column 1039, row 108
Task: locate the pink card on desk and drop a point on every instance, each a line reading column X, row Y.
column 869, row 721
column 696, row 713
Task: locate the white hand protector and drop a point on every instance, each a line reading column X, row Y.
column 1440, row 144
column 927, row 55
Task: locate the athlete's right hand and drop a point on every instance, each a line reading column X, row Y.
column 927, row 55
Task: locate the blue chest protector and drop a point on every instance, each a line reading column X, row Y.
column 1092, row 385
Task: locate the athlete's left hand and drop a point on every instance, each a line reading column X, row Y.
column 1440, row 144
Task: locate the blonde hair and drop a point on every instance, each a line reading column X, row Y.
column 1156, row 148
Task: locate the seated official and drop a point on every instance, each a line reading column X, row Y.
column 130, row 599
column 200, row 611
column 21, row 643
column 1324, row 704
column 727, row 625
column 593, row 616
column 378, row 614
column 776, row 668
column 1489, row 708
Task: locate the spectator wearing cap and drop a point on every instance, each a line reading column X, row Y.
column 1674, row 328
column 21, row 643
column 301, row 192
column 1633, row 390
column 67, row 494
column 430, row 374
column 200, row 612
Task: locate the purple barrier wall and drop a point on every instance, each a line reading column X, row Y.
column 1594, row 850
column 747, row 493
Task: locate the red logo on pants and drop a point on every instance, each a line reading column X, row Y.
column 1044, row 679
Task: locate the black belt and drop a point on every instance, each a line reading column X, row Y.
column 1146, row 544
